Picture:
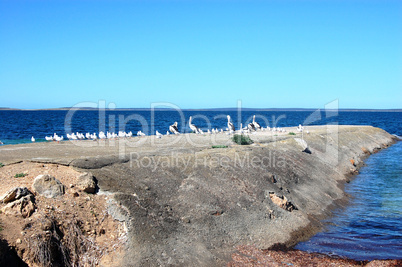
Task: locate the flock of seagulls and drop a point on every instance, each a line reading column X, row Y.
column 55, row 137
column 252, row 127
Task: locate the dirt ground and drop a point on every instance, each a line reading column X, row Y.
column 100, row 234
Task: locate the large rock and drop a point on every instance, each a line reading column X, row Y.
column 48, row 186
column 87, row 183
column 14, row 194
column 24, row 206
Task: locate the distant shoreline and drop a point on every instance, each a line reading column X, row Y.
column 206, row 109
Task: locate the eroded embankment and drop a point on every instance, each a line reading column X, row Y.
column 195, row 207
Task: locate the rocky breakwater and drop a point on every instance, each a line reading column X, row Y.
column 193, row 205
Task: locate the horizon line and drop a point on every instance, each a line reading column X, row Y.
column 202, row 109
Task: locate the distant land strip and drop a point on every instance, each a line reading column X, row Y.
column 208, row 109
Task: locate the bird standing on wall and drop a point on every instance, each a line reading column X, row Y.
column 230, row 125
column 251, row 127
column 257, row 126
column 193, row 127
column 173, row 128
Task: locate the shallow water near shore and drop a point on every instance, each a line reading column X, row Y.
column 370, row 227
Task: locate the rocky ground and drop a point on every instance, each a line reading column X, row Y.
column 75, row 223
column 178, row 201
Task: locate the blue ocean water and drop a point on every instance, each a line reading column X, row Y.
column 20, row 125
column 369, row 228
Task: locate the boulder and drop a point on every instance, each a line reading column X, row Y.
column 87, row 183
column 27, row 206
column 24, row 206
column 48, row 186
column 14, row 194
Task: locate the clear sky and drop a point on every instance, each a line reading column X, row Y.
column 201, row 54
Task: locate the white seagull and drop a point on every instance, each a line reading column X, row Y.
column 32, row 139
column 93, row 136
column 300, row 128
column 102, row 135
column 140, row 133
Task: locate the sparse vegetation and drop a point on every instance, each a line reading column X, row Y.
column 292, row 133
column 242, row 139
column 219, row 146
column 1, row 165
column 18, row 175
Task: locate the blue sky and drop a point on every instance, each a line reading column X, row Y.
column 201, row 54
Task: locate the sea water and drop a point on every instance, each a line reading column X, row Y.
column 370, row 227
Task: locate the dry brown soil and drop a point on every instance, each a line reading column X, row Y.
column 102, row 234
